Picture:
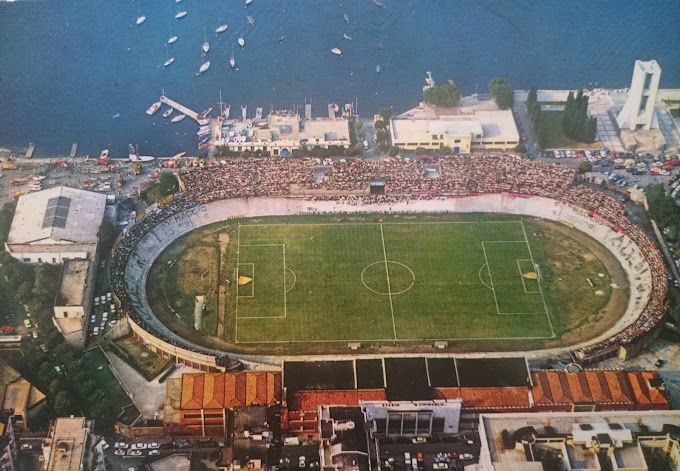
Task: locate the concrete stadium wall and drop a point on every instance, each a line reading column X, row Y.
column 158, row 239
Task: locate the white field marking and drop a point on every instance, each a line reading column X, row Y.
column 294, row 279
column 375, row 224
column 285, row 311
column 285, row 291
column 521, row 275
column 252, row 292
column 389, row 288
column 533, row 264
column 494, row 289
column 238, row 259
column 480, row 275
column 392, row 340
column 413, row 276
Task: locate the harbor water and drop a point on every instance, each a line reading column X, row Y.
column 83, row 71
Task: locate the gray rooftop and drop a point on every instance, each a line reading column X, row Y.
column 56, row 216
column 72, row 286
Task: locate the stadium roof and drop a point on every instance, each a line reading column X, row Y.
column 229, row 390
column 59, row 215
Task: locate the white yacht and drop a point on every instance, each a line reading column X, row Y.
column 221, row 28
column 336, row 51
column 241, row 42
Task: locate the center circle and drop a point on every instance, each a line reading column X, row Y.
column 388, row 278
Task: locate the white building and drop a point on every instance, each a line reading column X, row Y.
column 66, row 448
column 638, row 111
column 473, row 126
column 54, row 225
column 412, row 418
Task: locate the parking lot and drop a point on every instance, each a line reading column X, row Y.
column 104, row 315
column 449, row 453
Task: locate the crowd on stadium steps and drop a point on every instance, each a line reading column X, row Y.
column 405, row 181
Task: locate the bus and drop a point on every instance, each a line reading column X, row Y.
column 10, row 340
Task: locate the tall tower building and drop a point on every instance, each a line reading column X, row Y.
column 638, row 111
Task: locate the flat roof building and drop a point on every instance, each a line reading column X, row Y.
column 73, row 304
column 593, row 441
column 54, row 225
column 475, row 127
column 18, row 396
column 65, row 448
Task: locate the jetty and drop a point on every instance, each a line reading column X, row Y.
column 74, row 149
column 31, row 149
column 181, row 108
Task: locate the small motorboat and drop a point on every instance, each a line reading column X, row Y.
column 141, row 20
column 172, row 39
column 178, row 118
column 221, row 28
column 378, row 3
column 181, row 14
column 241, row 42
column 347, row 37
column 169, row 61
column 248, row 2
column 232, row 61
column 336, row 51
column 167, row 112
column 251, row 20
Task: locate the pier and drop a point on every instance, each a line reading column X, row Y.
column 31, row 149
column 74, row 149
column 181, row 108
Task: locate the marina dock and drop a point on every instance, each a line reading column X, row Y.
column 31, row 149
column 74, row 149
column 181, row 108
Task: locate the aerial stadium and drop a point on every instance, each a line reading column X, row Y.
column 260, row 258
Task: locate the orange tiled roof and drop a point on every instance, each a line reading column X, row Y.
column 643, row 393
column 494, row 398
column 309, row 400
column 560, row 387
column 229, row 390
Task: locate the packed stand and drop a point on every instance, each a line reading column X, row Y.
column 404, row 180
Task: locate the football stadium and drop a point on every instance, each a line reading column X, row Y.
column 263, row 257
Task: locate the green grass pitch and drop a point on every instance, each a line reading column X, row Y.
column 388, row 282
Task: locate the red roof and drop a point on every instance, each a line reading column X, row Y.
column 311, row 400
column 229, row 390
column 596, row 386
column 644, row 393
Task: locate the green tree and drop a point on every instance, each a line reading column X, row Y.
column 393, row 151
column 446, row 95
column 576, row 123
column 584, row 166
column 502, row 91
column 379, row 125
column 385, row 113
column 532, row 100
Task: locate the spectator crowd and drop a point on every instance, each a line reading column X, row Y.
column 402, row 180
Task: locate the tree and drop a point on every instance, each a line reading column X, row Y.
column 532, row 100
column 385, row 113
column 393, row 151
column 379, row 125
column 169, row 184
column 584, row 166
column 446, row 95
column 502, row 91
column 576, row 123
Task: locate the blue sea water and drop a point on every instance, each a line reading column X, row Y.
column 68, row 66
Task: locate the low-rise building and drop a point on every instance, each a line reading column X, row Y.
column 593, row 441
column 67, row 446
column 473, row 128
column 19, row 399
column 284, row 132
column 73, row 303
column 54, row 225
